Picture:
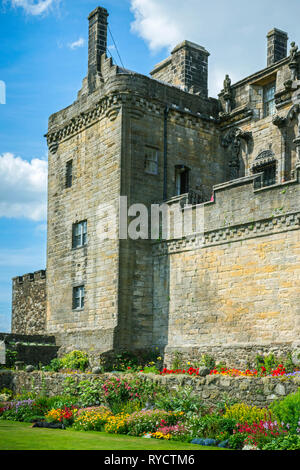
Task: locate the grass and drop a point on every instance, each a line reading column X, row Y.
column 21, row 436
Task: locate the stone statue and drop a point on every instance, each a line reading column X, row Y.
column 293, row 61
column 227, row 94
column 227, row 84
column 293, row 51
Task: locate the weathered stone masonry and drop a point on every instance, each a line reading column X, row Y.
column 232, row 291
column 212, row 389
column 29, row 303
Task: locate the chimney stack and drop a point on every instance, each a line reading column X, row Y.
column 97, row 44
column 187, row 67
column 277, row 46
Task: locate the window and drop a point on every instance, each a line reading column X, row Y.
column 80, row 234
column 78, row 297
column 269, row 174
column 69, row 174
column 181, row 179
column 269, row 99
column 151, row 161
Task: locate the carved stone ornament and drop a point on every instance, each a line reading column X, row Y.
column 233, row 138
column 227, row 94
column 293, row 113
column 263, row 158
column 293, row 52
column 293, row 65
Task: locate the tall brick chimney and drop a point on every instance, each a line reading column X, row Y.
column 277, row 46
column 97, row 44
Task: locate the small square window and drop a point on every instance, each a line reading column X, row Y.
column 78, row 297
column 79, row 234
column 269, row 99
column 151, row 161
column 69, row 174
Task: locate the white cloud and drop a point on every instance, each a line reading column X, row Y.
column 34, row 7
column 23, row 188
column 234, row 34
column 79, row 43
column 156, row 23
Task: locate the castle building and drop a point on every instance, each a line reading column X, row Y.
column 231, row 289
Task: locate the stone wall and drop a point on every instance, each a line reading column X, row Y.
column 233, row 290
column 29, row 304
column 30, row 349
column 252, row 391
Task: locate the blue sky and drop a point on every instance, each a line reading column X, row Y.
column 43, row 59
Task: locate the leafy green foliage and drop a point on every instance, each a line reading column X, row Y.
column 11, row 358
column 269, row 362
column 75, row 360
column 289, row 442
column 210, row 426
column 287, row 410
column 183, row 399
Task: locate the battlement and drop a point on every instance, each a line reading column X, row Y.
column 30, row 277
column 29, row 304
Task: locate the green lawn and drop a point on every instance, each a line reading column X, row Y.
column 21, row 436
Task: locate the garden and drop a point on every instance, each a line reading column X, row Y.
column 129, row 403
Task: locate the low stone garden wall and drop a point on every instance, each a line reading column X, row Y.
column 212, row 388
column 29, row 349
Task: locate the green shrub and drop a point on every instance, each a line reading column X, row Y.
column 210, row 426
column 177, row 362
column 151, row 370
column 183, row 399
column 289, row 442
column 89, row 393
column 268, row 361
column 75, row 360
column 208, row 361
column 11, row 358
column 54, row 366
column 236, row 441
column 287, row 410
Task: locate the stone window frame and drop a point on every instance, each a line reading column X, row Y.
column 257, row 95
column 149, row 152
column 80, row 289
column 82, row 236
column 269, row 105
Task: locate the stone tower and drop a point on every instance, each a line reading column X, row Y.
column 230, row 289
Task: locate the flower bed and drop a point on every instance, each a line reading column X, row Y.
column 262, row 372
column 178, row 415
column 279, row 371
